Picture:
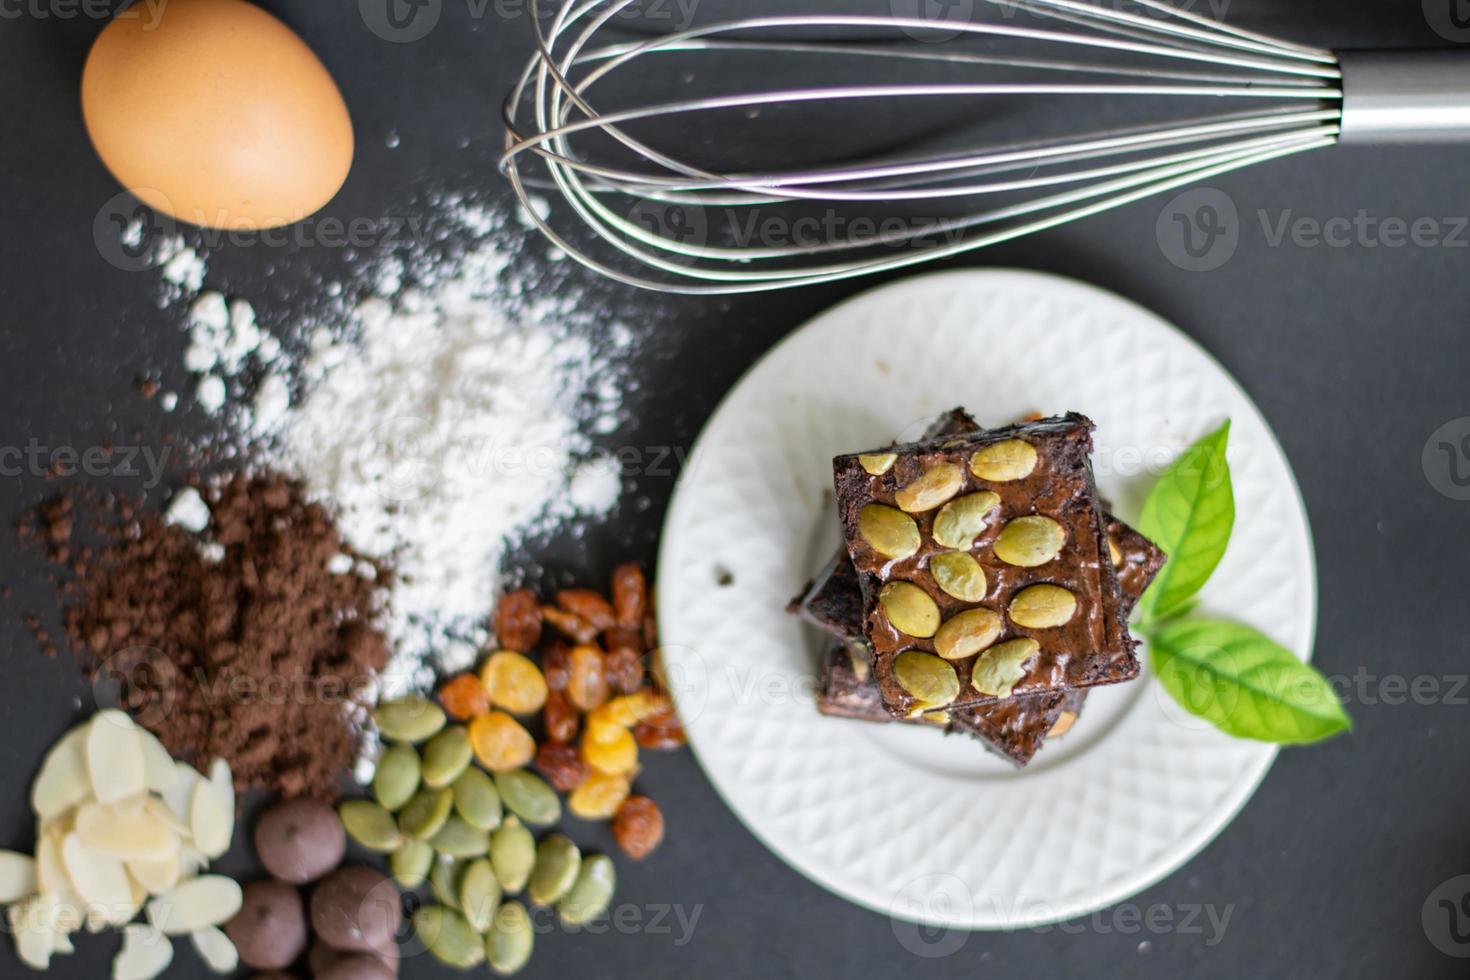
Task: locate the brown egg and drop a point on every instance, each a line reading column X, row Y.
column 214, row 112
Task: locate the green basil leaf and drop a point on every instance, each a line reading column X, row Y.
column 1245, row 684
column 1189, row 513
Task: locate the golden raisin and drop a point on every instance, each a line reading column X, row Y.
column 629, row 595
column 561, row 718
column 500, row 743
column 599, row 797
column 638, row 827
column 518, row 621
column 660, row 730
column 610, row 749
column 624, row 669
column 570, row 625
column 589, row 607
column 614, row 713
column 555, row 661
column 514, row 682
column 586, row 681
column 628, row 710
column 464, row 697
column 562, row 765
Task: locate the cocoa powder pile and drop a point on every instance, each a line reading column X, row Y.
column 252, row 641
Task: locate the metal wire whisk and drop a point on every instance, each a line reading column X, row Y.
column 660, row 209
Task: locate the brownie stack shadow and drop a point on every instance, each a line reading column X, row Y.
column 1104, row 565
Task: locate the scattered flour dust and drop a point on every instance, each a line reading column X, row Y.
column 446, row 414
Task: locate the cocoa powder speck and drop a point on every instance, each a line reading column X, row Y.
column 236, row 642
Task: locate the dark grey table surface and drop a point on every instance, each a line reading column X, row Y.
column 1355, row 351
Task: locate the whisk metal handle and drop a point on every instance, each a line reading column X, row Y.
column 1405, row 96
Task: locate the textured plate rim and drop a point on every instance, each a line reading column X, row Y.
column 1185, row 848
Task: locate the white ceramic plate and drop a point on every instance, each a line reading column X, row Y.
column 902, row 820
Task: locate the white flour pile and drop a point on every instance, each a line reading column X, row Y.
column 446, row 427
column 445, row 416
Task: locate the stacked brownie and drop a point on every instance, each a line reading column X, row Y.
column 982, row 587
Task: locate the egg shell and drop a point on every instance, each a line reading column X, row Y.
column 216, row 113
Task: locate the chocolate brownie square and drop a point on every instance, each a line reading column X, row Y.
column 1015, row 728
column 984, row 567
column 833, row 601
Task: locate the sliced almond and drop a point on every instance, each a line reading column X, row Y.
column 62, row 782
column 211, row 820
column 101, row 881
column 61, row 943
column 209, row 900
column 140, row 896
column 180, row 796
column 145, row 954
column 35, row 936
column 51, row 876
column 216, row 950
column 157, row 876
column 191, row 862
column 128, row 831
column 161, row 812
column 115, row 760
column 17, row 877
column 67, row 914
column 159, row 771
column 224, row 782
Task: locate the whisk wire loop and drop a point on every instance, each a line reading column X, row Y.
column 687, row 222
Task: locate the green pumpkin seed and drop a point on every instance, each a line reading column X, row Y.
column 960, row 521
column 557, row 863
column 370, row 825
column 909, row 609
column 1010, row 459
column 1030, row 541
column 591, row 893
column 410, row 864
column 446, row 934
column 1041, row 607
column 967, row 633
column 512, row 854
column 476, row 800
column 411, row 719
column 426, row 813
column 444, row 881
column 479, row 894
column 459, row 840
column 397, row 778
column 959, row 575
column 529, row 797
column 933, row 487
column 931, row 681
column 511, row 939
column 888, row 531
column 998, row 668
column 446, row 756
column 876, row 464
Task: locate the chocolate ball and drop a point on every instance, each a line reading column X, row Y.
column 356, row 910
column 323, row 957
column 270, row 929
column 355, row 966
column 300, row 840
